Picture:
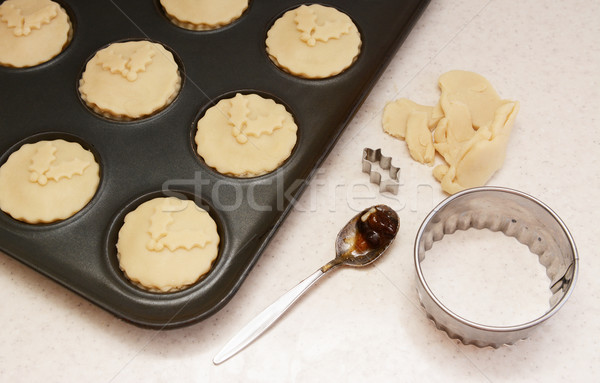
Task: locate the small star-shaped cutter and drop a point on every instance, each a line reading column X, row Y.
column 370, row 157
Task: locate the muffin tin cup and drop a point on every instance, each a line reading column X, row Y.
column 287, row 72
column 124, row 119
column 227, row 95
column 155, row 155
column 191, row 27
column 72, row 33
column 176, row 301
column 50, row 136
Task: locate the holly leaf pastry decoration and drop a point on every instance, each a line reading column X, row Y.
column 23, row 24
column 127, row 67
column 161, row 236
column 311, row 32
column 243, row 126
column 41, row 169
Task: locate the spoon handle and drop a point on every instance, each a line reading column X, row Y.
column 265, row 319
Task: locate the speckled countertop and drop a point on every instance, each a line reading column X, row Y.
column 367, row 325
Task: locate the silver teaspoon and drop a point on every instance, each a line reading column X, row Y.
column 364, row 238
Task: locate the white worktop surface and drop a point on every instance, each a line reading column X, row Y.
column 367, row 325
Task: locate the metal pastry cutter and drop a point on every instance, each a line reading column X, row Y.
column 515, row 214
column 370, row 157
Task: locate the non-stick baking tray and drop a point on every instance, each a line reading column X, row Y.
column 156, row 156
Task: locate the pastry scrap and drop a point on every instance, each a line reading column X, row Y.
column 313, row 41
column 48, row 181
column 246, row 135
column 471, row 126
column 167, row 244
column 130, row 80
column 203, row 15
column 32, row 32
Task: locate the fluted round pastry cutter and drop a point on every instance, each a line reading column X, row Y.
column 518, row 215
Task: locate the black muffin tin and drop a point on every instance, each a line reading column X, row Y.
column 155, row 156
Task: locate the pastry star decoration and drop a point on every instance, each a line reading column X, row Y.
column 161, row 236
column 41, row 169
column 243, row 126
column 306, row 23
column 127, row 67
column 23, row 24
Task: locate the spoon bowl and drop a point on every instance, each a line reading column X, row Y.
column 365, row 237
column 360, row 242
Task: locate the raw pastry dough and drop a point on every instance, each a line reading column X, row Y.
column 48, row 181
column 203, row 15
column 313, row 41
column 471, row 126
column 130, row 80
column 418, row 138
column 32, row 32
column 396, row 113
column 246, row 135
column 167, row 244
